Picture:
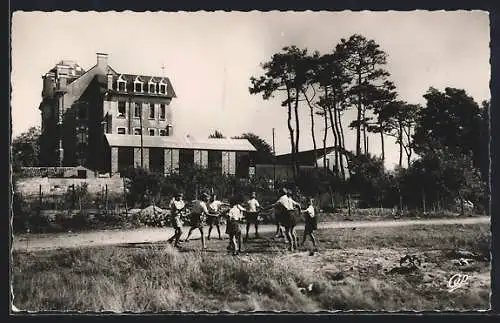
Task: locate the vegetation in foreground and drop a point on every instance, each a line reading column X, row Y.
column 355, row 270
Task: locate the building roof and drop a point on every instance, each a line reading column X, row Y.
column 305, row 157
column 115, row 140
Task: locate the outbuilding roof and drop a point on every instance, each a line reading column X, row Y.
column 115, row 140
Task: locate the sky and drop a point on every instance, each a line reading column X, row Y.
column 210, row 57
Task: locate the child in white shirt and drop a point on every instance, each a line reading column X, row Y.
column 252, row 215
column 235, row 215
column 213, row 218
column 311, row 223
column 176, row 206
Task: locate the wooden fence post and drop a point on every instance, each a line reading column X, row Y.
column 40, row 196
column 106, row 198
column 125, row 198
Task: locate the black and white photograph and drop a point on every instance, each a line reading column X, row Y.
column 230, row 161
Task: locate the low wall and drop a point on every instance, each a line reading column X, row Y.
column 55, row 186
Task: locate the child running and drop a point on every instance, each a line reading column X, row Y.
column 279, row 211
column 252, row 215
column 311, row 223
column 197, row 217
column 233, row 226
column 176, row 206
column 285, row 207
column 213, row 218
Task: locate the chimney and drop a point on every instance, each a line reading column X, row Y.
column 62, row 83
column 102, row 62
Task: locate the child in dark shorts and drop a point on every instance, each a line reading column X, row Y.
column 235, row 215
column 176, row 206
column 311, row 223
column 252, row 215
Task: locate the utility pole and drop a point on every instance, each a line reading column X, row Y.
column 274, row 162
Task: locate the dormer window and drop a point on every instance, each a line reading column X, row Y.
column 163, row 86
column 152, row 87
column 122, row 84
column 138, row 85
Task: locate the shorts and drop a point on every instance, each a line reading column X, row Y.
column 177, row 222
column 233, row 228
column 213, row 220
column 196, row 220
column 311, row 225
column 252, row 217
column 279, row 215
column 288, row 219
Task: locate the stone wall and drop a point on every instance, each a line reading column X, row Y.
column 58, row 186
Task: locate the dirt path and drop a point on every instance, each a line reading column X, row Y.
column 37, row 242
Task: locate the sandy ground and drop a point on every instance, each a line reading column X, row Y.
column 37, row 242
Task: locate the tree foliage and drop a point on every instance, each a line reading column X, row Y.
column 216, row 135
column 264, row 153
column 26, row 148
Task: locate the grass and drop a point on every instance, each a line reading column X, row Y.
column 351, row 272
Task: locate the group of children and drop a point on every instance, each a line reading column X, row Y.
column 208, row 210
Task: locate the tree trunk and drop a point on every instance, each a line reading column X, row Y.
column 311, row 110
column 335, row 139
column 342, row 145
column 297, row 130
column 325, row 135
column 409, row 150
column 290, row 130
column 382, row 143
column 365, row 141
column 358, row 128
column 336, row 114
column 400, row 139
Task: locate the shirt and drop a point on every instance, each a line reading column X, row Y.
column 177, row 205
column 199, row 207
column 235, row 213
column 310, row 211
column 253, row 204
column 214, row 206
column 287, row 202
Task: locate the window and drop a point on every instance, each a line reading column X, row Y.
column 157, row 160
column 121, row 131
column 82, row 135
column 137, row 110
column 121, row 85
column 137, row 131
column 215, row 160
column 121, row 109
column 151, row 132
column 163, row 132
column 162, row 111
column 138, row 87
column 151, row 111
column 152, row 88
column 163, row 88
column 82, row 112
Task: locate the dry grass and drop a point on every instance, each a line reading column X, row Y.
column 352, row 272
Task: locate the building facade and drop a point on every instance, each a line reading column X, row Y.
column 108, row 121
